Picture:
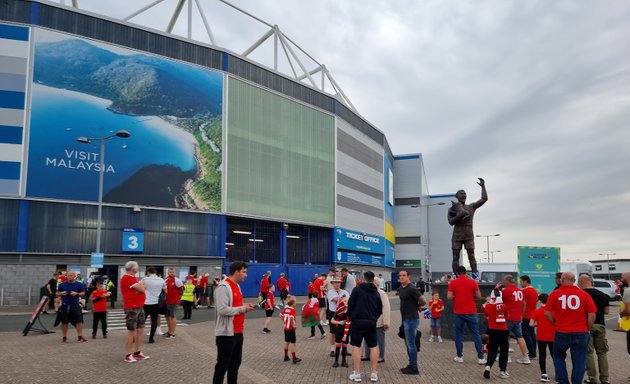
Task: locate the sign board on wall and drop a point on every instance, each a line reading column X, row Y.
column 348, row 240
column 540, row 264
column 408, row 263
column 132, row 240
column 97, row 260
column 359, row 258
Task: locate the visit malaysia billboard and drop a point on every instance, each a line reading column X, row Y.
column 173, row 111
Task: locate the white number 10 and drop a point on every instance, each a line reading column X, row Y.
column 518, row 295
column 573, row 302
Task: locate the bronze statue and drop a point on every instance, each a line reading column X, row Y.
column 460, row 216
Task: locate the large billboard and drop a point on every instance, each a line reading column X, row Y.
column 280, row 157
column 540, row 264
column 173, row 111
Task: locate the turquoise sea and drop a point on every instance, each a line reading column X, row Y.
column 158, row 155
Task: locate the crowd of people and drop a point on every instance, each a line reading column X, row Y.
column 571, row 318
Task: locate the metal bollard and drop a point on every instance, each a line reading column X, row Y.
column 1, row 297
column 30, row 291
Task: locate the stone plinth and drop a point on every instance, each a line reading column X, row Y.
column 447, row 322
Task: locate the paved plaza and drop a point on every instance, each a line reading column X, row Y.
column 189, row 358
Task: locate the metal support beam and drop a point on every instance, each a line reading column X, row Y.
column 284, row 42
column 136, row 13
column 178, row 11
column 205, row 23
column 259, row 42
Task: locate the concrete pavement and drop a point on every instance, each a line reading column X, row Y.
column 189, row 358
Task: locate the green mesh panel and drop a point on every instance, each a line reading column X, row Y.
column 280, row 158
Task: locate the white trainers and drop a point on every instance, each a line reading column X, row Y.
column 544, row 378
column 481, row 361
column 374, row 377
column 356, row 377
column 509, row 359
column 439, row 339
column 504, row 374
column 431, row 339
column 523, row 360
column 459, row 359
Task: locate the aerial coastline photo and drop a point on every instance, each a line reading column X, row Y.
column 83, row 88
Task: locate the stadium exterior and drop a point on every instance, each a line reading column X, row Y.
column 227, row 160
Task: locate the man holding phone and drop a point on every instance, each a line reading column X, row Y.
column 230, row 323
column 71, row 291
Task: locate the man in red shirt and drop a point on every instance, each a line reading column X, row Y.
column 530, row 297
column 133, row 302
column 264, row 288
column 230, row 323
column 283, row 286
column 572, row 311
column 174, row 288
column 463, row 291
column 515, row 306
column 320, row 290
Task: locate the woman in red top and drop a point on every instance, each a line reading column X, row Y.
column 498, row 334
column 545, row 333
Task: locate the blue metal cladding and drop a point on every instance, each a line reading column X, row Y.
column 22, row 237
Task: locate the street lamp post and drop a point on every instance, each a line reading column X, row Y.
column 491, row 254
column 608, row 261
column 88, row 140
column 428, row 255
column 488, row 242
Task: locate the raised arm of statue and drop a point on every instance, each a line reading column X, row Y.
column 484, row 194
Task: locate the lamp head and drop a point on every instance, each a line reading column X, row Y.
column 123, row 134
column 84, row 140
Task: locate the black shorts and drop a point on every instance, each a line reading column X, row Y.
column 332, row 327
column 289, row 336
column 329, row 314
column 322, row 303
column 283, row 294
column 361, row 331
column 339, row 334
column 72, row 314
column 269, row 312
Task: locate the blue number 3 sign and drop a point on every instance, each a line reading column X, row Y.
column 132, row 240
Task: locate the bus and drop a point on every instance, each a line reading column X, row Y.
column 495, row 272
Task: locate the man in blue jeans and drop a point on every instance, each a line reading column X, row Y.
column 572, row 311
column 463, row 291
column 410, row 301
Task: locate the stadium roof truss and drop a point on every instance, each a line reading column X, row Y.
column 283, row 46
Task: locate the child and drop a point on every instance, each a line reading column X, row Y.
column 269, row 307
column 498, row 335
column 342, row 326
column 288, row 316
column 99, row 307
column 544, row 335
column 436, row 305
column 310, row 317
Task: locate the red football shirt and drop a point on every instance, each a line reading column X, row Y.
column 464, row 289
column 101, row 305
column 513, row 301
column 271, row 301
column 173, row 293
column 530, row 296
column 237, row 301
column 436, row 307
column 264, row 284
column 311, row 289
column 570, row 306
column 281, row 283
column 318, row 284
column 288, row 316
column 545, row 331
column 492, row 312
column 203, row 282
column 131, row 297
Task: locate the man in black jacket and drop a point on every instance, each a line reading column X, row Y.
column 364, row 308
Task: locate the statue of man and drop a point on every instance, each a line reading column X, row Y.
column 460, row 216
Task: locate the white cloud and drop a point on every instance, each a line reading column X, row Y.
column 534, row 96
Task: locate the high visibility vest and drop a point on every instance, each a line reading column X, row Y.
column 188, row 292
column 624, row 322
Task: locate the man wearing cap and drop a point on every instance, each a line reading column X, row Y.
column 333, row 296
column 283, row 287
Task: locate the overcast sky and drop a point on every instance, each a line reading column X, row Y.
column 534, row 96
